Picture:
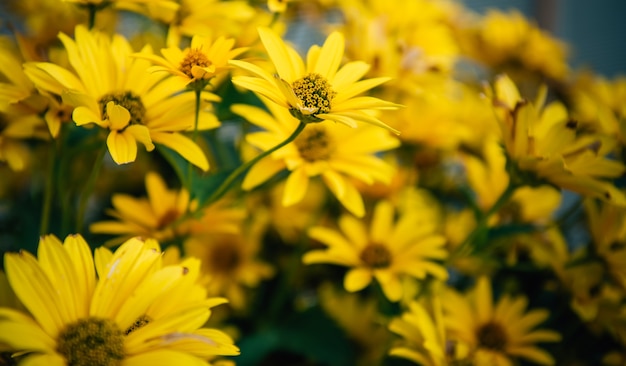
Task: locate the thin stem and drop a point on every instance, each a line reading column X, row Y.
column 49, row 190
column 198, row 93
column 92, row 9
column 484, row 219
column 223, row 188
column 91, row 182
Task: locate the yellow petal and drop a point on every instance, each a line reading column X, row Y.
column 357, row 279
column 142, row 134
column 330, row 56
column 184, row 146
column 84, row 115
column 122, row 147
column 295, row 187
column 119, row 117
column 279, row 54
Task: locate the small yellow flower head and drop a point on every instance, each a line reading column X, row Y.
column 386, row 250
column 203, row 60
column 319, row 90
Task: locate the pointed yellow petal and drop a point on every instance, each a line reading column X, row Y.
column 295, row 187
column 184, row 146
column 330, row 56
column 279, row 54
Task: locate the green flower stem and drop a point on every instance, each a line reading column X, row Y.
column 481, row 225
column 198, row 93
column 91, row 182
column 226, row 184
column 49, row 189
column 92, row 9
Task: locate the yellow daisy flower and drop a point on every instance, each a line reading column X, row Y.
column 607, row 225
column 230, row 261
column 360, row 319
column 543, row 141
column 109, row 88
column 496, row 333
column 153, row 216
column 121, row 308
column 201, row 61
column 388, row 251
column 423, row 335
column 319, row 90
column 211, row 17
column 333, row 152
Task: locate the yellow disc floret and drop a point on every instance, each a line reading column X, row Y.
column 194, row 57
column 376, row 256
column 91, row 342
column 315, row 93
column 492, row 336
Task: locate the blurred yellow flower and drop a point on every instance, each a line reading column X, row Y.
column 210, row 17
column 335, row 153
column 607, row 225
column 386, row 250
column 113, row 90
column 509, row 40
column 543, row 141
column 230, row 263
column 360, row 319
column 133, row 312
column 161, row 215
column 316, row 91
column 496, row 333
column 423, row 334
column 403, row 39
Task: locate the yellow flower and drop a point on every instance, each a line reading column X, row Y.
column 121, row 308
column 113, row 90
column 402, row 39
column 488, row 177
column 154, row 216
column 543, row 141
column 360, row 318
column 388, row 251
column 203, row 60
column 509, row 40
column 163, row 10
column 607, row 224
column 334, row 152
column 230, row 261
column 423, row 335
column 210, row 17
column 496, row 333
column 316, row 91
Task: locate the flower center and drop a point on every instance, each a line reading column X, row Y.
column 492, row 336
column 128, row 100
column 225, row 256
column 194, row 57
column 168, row 217
column 376, row 256
column 92, row 342
column 140, row 322
column 316, row 95
column 314, row 144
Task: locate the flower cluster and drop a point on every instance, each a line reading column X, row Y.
column 305, row 182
